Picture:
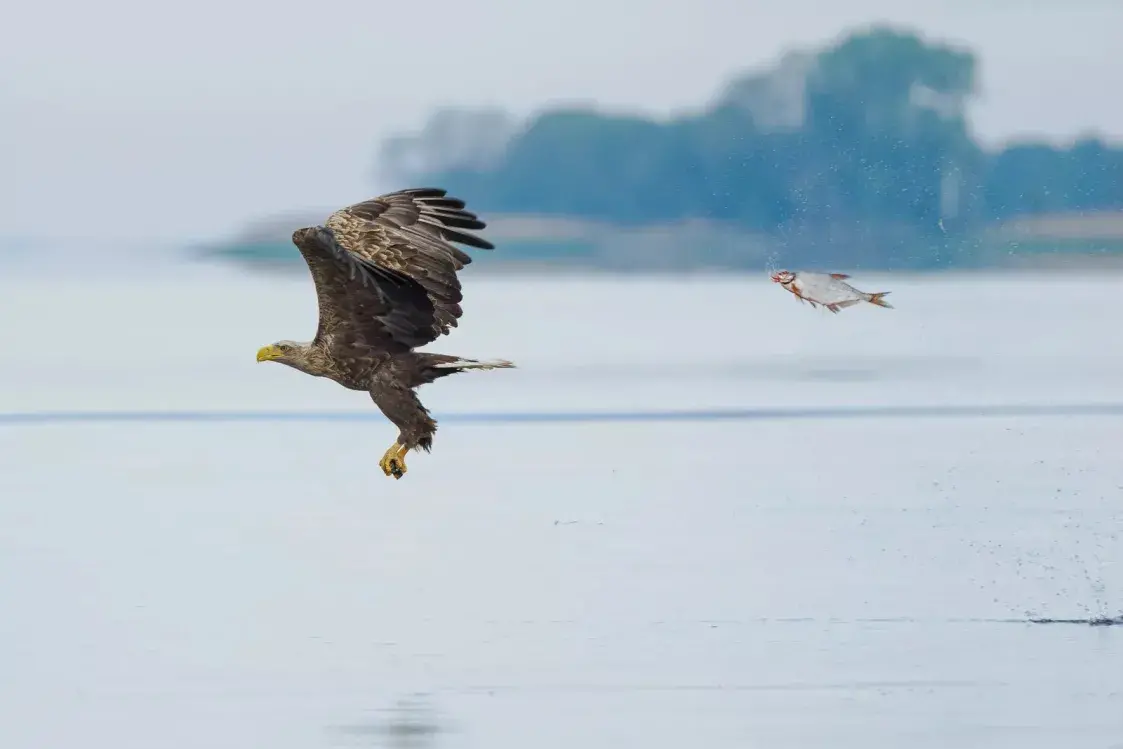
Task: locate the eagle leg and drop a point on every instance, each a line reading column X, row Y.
column 393, row 461
column 400, row 405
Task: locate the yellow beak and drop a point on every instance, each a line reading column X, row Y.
column 266, row 353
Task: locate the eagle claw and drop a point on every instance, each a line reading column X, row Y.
column 393, row 462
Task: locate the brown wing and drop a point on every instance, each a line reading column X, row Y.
column 411, row 232
column 364, row 307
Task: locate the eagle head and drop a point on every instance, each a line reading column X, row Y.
column 286, row 352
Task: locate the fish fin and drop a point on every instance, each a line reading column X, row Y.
column 839, row 276
column 878, row 299
column 837, row 307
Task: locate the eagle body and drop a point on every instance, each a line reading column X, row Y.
column 385, row 277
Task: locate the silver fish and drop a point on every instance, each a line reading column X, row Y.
column 827, row 289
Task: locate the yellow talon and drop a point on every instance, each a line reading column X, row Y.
column 393, row 462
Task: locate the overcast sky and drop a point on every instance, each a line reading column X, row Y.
column 138, row 119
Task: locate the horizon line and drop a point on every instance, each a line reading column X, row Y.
column 20, row 418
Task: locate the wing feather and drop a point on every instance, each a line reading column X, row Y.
column 364, row 307
column 411, row 233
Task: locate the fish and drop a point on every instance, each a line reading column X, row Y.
column 827, row 289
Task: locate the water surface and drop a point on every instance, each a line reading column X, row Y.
column 855, row 580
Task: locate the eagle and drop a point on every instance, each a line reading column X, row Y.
column 385, row 277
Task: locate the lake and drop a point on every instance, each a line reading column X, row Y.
column 837, row 542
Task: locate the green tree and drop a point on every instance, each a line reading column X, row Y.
column 868, row 137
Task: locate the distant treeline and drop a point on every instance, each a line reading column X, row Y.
column 865, row 138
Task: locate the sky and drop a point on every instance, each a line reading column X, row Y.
column 134, row 121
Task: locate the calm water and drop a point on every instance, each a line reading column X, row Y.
column 780, row 582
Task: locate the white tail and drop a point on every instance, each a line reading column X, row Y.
column 473, row 364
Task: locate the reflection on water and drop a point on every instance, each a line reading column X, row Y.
column 412, row 723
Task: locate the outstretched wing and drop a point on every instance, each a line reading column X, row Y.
column 411, row 232
column 364, row 308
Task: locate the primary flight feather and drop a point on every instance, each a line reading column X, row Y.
column 385, row 277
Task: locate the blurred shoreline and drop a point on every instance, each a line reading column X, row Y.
column 543, row 244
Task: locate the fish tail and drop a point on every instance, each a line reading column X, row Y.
column 878, row 298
